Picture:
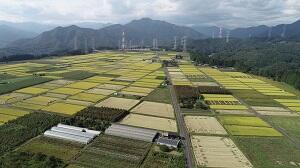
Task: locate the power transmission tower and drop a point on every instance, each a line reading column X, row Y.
column 183, row 43
column 221, row 32
column 227, row 36
column 123, row 41
column 155, row 44
column 175, row 43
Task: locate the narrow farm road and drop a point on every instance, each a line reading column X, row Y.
column 181, row 125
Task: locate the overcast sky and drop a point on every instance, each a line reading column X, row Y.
column 227, row 13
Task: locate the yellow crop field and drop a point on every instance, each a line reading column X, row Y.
column 150, row 122
column 88, row 97
column 32, row 90
column 82, row 85
column 64, row 109
column 67, row 91
column 28, row 106
column 41, row 100
column 228, row 107
column 98, row 79
column 5, row 118
column 13, row 111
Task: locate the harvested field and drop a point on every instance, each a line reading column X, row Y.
column 213, row 151
column 88, row 97
column 82, row 85
column 63, row 108
column 155, row 109
column 133, row 93
column 101, row 91
column 274, row 111
column 157, row 123
column 118, row 103
column 66, row 91
column 204, row 125
column 111, row 87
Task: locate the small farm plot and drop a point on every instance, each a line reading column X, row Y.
column 248, row 126
column 88, row 97
column 61, row 149
column 41, row 100
column 111, row 87
column 273, row 111
column 211, row 151
column 154, row 109
column 7, row 114
column 292, row 104
column 64, row 108
column 113, row 152
column 66, row 91
column 118, row 103
column 82, row 85
column 13, row 97
column 204, row 125
column 100, row 91
column 32, row 90
column 156, row 123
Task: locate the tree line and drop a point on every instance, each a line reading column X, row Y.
column 279, row 60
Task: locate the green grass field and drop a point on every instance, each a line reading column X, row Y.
column 269, row 152
column 291, row 125
column 243, row 121
column 52, row 147
column 161, row 95
column 21, row 82
column 113, row 152
column 252, row 131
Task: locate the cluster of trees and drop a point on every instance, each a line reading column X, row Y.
column 279, row 60
column 18, row 131
column 98, row 118
column 29, row 160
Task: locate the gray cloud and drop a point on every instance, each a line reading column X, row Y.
column 228, row 13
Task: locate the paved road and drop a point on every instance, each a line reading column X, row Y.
column 181, row 125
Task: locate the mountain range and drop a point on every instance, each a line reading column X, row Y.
column 65, row 39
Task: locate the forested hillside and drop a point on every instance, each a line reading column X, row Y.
column 274, row 59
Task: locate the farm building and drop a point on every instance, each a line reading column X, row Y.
column 71, row 133
column 172, row 143
column 131, row 132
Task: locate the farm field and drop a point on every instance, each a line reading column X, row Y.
column 154, row 109
column 119, row 103
column 213, row 151
column 158, row 159
column 248, row 126
column 52, row 147
column 163, row 124
column 269, row 152
column 109, row 151
column 204, row 125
